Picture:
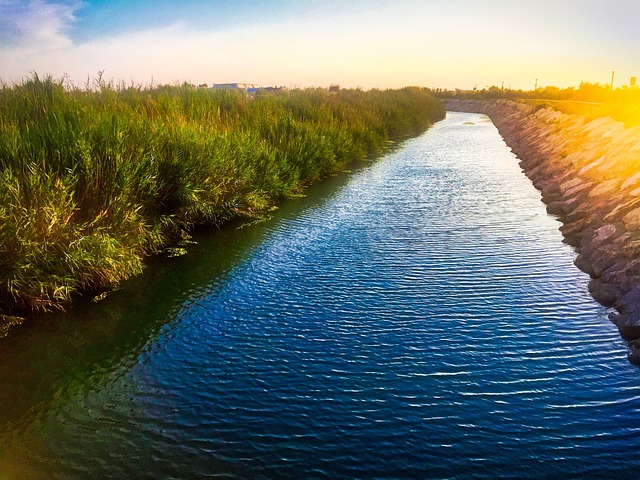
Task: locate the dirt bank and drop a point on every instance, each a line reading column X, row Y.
column 589, row 176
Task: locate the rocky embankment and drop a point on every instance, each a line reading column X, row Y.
column 589, row 176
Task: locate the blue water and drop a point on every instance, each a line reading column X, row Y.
column 418, row 319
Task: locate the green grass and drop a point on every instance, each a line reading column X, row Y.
column 93, row 181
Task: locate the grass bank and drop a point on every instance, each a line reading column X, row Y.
column 93, row 181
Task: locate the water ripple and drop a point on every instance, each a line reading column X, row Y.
column 425, row 321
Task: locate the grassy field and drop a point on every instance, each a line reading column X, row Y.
column 93, row 181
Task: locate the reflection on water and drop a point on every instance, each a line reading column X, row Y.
column 419, row 318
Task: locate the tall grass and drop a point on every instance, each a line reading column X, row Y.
column 92, row 181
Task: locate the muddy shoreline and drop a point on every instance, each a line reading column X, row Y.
column 588, row 173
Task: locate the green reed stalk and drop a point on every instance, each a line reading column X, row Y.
column 92, row 181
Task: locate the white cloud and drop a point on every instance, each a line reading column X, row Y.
column 384, row 47
column 36, row 26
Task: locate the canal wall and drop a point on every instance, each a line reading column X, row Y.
column 589, row 175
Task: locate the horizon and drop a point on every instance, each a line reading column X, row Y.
column 358, row 44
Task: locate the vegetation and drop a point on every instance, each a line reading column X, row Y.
column 629, row 114
column 93, row 180
column 591, row 100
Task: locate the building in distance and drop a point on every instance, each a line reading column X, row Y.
column 248, row 88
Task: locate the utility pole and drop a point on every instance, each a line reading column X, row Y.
column 536, row 87
column 613, row 72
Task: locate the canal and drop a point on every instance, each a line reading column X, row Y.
column 417, row 318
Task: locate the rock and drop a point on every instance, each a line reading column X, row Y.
column 583, row 262
column 606, row 188
column 581, row 189
column 629, row 306
column 632, row 219
column 620, row 210
column 557, row 207
column 623, row 273
column 631, row 182
column 634, row 352
column 631, row 249
column 605, row 293
column 590, row 167
column 627, row 332
column 568, row 185
column 605, row 232
column 582, row 209
column 574, row 231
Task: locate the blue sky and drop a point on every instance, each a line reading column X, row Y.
column 356, row 43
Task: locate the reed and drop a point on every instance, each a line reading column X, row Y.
column 94, row 180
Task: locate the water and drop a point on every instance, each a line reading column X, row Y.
column 419, row 318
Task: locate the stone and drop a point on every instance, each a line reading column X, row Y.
column 632, row 219
column 629, row 305
column 631, row 248
column 631, row 182
column 572, row 183
column 620, row 210
column 605, row 293
column 606, row 188
column 574, row 231
column 634, row 351
column 557, row 208
column 603, row 233
column 580, row 189
column 592, row 166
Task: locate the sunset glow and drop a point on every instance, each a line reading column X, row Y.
column 453, row 44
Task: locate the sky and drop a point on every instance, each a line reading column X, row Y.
column 308, row 43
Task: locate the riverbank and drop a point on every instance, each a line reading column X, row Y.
column 415, row 318
column 94, row 181
column 589, row 175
